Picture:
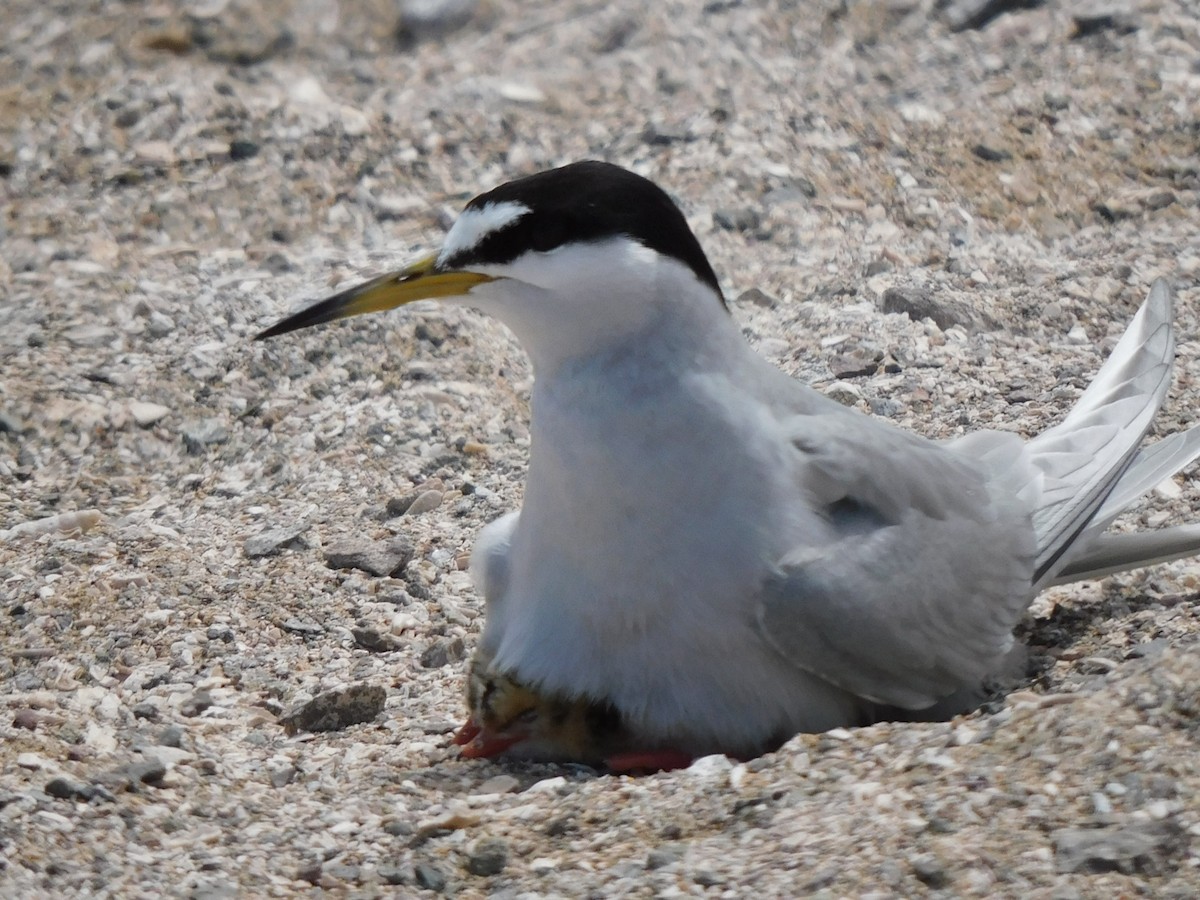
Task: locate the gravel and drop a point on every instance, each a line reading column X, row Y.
column 173, row 180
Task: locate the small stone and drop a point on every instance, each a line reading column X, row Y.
column 990, row 154
column 424, row 502
column 498, row 784
column 307, row 629
column 930, row 870
column 146, row 414
column 196, row 704
column 1137, row 848
column 394, row 875
column 376, row 641
column 758, row 298
column 488, row 857
column 443, row 653
column 919, row 304
column 271, row 541
column 377, row 558
column 146, row 710
column 343, row 872
column 129, row 777
column 27, row 718
column 1098, row 22
column 660, row 136
column 199, row 436
column 242, row 149
column 282, row 776
column 335, row 710
column 154, row 153
column 171, row 736
column 66, row 789
column 397, row 827
column 89, row 335
column 856, row 364
column 220, row 633
column 740, row 219
column 429, row 877
column 661, row 857
column 844, row 393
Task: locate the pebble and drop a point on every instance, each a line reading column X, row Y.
column 376, row 641
column 198, row 436
column 443, row 652
column 272, row 540
column 195, row 704
column 429, row 877
column 171, row 736
column 154, row 153
column 426, row 501
column 1145, row 847
column 844, row 393
column 488, row 857
column 146, row 414
column 335, row 710
column 498, row 784
column 146, row 771
column 66, row 789
column 242, row 149
column 989, row 153
column 920, row 304
column 377, row 558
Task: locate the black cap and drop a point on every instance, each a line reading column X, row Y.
column 581, row 202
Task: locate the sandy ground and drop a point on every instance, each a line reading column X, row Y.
column 174, row 177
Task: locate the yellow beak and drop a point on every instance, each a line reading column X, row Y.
column 419, row 281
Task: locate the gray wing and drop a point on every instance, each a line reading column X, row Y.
column 930, row 569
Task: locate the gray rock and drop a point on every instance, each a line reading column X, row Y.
column 200, row 435
column 988, row 153
column 196, row 704
column 377, row 558
column 129, row 777
column 488, row 857
column 443, row 653
column 171, row 736
column 335, row 710
column 271, row 541
column 930, row 870
column 392, row 874
column 376, row 641
column 743, row 218
column 67, row 789
column 919, row 304
column 308, row 629
column 429, row 877
column 1143, row 848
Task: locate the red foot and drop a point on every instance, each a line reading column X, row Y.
column 648, row 761
column 467, row 733
column 478, row 743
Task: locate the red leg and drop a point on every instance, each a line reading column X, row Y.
column 648, row 761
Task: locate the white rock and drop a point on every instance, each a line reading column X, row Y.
column 146, row 414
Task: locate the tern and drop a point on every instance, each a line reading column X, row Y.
column 711, row 556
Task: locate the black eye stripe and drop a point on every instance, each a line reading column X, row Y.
column 583, row 202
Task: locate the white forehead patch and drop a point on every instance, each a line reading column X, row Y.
column 475, row 224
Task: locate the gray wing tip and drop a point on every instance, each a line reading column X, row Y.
column 1162, row 297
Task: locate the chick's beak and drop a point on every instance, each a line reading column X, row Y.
column 422, row 280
